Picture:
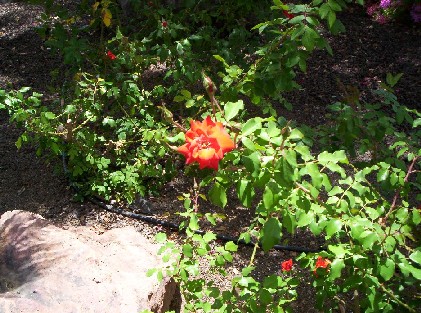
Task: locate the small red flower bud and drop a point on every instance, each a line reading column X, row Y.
column 111, row 55
column 164, row 24
column 287, row 14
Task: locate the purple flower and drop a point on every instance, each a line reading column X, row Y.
column 384, row 4
column 381, row 19
column 416, row 13
column 372, row 9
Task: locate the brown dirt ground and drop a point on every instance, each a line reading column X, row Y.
column 362, row 56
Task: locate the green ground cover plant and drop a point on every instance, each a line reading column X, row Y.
column 209, row 114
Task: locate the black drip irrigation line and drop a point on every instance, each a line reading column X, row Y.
column 176, row 227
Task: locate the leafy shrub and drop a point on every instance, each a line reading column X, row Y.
column 354, row 182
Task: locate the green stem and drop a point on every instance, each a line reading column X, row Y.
column 397, row 300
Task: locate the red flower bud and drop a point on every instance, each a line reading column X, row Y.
column 287, row 14
column 111, row 55
column 164, row 24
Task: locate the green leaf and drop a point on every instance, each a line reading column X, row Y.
column 331, row 18
column 49, row 115
column 270, row 196
column 221, row 59
column 186, row 94
column 333, row 226
column 271, row 233
column 209, row 236
column 265, row 297
column 338, row 250
column 296, row 134
column 160, row 237
column 305, row 219
column 188, row 250
column 231, row 109
column 336, row 268
column 324, row 10
column 251, row 125
column 194, row 223
column 278, row 3
column 316, row 176
column 334, row 5
column 252, row 163
column 218, row 195
column 416, row 257
column 387, row 269
column 231, row 246
column 368, row 238
column 291, row 157
column 245, row 192
column 309, row 38
column 383, row 174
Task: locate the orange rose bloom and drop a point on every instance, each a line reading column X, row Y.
column 287, row 265
column 206, row 143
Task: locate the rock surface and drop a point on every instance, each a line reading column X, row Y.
column 46, row 269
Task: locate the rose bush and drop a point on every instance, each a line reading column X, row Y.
column 353, row 182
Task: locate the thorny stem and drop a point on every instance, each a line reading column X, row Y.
column 405, row 180
column 256, row 245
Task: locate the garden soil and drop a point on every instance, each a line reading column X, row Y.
column 361, row 58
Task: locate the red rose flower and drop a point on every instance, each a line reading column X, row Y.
column 164, row 24
column 111, row 55
column 287, row 14
column 287, row 265
column 321, row 263
column 206, row 143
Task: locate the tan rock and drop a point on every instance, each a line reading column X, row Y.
column 46, row 269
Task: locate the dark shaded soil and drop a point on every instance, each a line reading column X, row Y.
column 362, row 57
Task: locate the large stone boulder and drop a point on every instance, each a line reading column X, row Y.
column 46, row 269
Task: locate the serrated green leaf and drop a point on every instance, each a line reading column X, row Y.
column 209, row 236
column 304, row 151
column 333, row 226
column 338, row 250
column 231, row 246
column 305, row 219
column 251, row 125
column 382, row 174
